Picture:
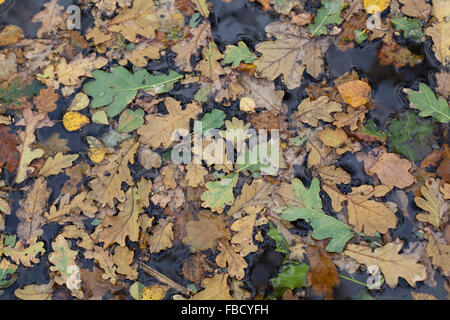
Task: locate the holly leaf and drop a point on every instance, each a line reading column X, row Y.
column 309, row 208
column 426, row 102
column 329, row 13
column 118, row 87
column 238, row 54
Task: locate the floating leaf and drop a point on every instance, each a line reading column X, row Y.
column 73, row 121
column 426, row 102
column 238, row 54
column 292, row 276
column 309, row 208
column 119, row 87
column 329, row 13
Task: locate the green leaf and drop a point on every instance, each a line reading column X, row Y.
column 212, row 120
column 195, row 20
column 203, row 94
column 7, row 271
column 112, row 138
column 426, row 102
column 220, row 193
column 236, row 54
column 360, row 35
column 136, row 290
column 280, row 241
column 256, row 161
column 329, row 13
column 411, row 28
column 324, row 225
column 411, row 136
column 292, row 276
column 100, row 117
column 370, row 129
column 130, row 120
column 118, row 87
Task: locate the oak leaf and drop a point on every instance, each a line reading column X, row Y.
column 393, row 171
column 109, row 175
column 311, row 112
column 140, row 19
column 105, row 261
column 264, row 93
column 46, row 100
column 196, row 267
column 229, row 256
column 433, row 202
column 204, row 233
column 159, row 129
column 36, row 291
column 244, row 234
column 209, row 66
column 55, row 165
column 69, row 73
column 189, row 46
column 162, row 236
column 195, row 174
column 439, row 253
column 26, row 254
column 31, row 212
column 391, row 263
column 51, row 18
column 216, row 288
column 364, row 214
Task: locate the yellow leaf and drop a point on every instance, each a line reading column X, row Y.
column 332, row 137
column 355, row 92
column 96, row 154
column 154, row 292
column 73, row 121
column 247, row 104
column 374, row 6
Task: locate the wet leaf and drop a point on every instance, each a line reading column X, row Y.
column 216, row 288
column 322, row 273
column 8, row 149
column 292, row 276
column 311, row 112
column 391, row 263
column 356, row 93
column 162, row 236
column 393, row 54
column 410, row 27
column 219, row 193
column 393, row 171
column 159, row 129
column 130, row 120
column 374, row 6
column 46, row 101
column 74, row 121
column 439, row 253
column 204, row 233
column 119, row 87
column 230, row 257
column 309, row 208
column 415, row 8
column 429, row 105
column 51, row 18
column 26, row 254
column 238, row 54
column 35, row 292
column 329, row 13
column 432, row 201
column 57, row 164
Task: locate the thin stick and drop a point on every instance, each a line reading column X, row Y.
column 152, row 272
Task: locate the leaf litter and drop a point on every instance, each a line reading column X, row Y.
column 157, row 80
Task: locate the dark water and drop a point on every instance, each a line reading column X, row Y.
column 232, row 22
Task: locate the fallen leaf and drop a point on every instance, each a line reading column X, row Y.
column 393, row 171
column 433, row 202
column 356, row 92
column 228, row 256
column 8, row 149
column 391, row 263
column 216, row 288
column 73, row 121
column 162, row 236
column 57, row 164
column 46, row 101
column 439, row 253
column 322, row 273
column 311, row 112
column 51, row 18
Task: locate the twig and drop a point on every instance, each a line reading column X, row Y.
column 152, row 272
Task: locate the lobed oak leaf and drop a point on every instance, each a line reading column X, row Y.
column 391, row 263
column 216, row 288
column 322, row 274
column 162, row 236
column 229, row 256
column 46, row 100
column 105, row 261
column 311, row 112
column 8, row 149
column 196, row 267
column 57, row 164
column 439, row 253
column 51, row 18
column 26, row 254
column 123, row 258
column 433, row 202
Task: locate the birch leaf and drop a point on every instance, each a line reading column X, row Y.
column 392, row 264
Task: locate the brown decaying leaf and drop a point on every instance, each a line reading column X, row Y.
column 162, row 236
column 393, row 171
column 31, row 212
column 391, row 263
column 439, row 253
column 229, row 256
column 46, row 100
column 51, row 18
column 204, row 233
column 216, row 288
column 393, row 54
column 415, row 8
column 311, row 112
column 8, row 149
column 322, row 274
column 196, row 267
column 433, row 203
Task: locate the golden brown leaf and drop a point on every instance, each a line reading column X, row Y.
column 229, row 255
column 393, row 171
